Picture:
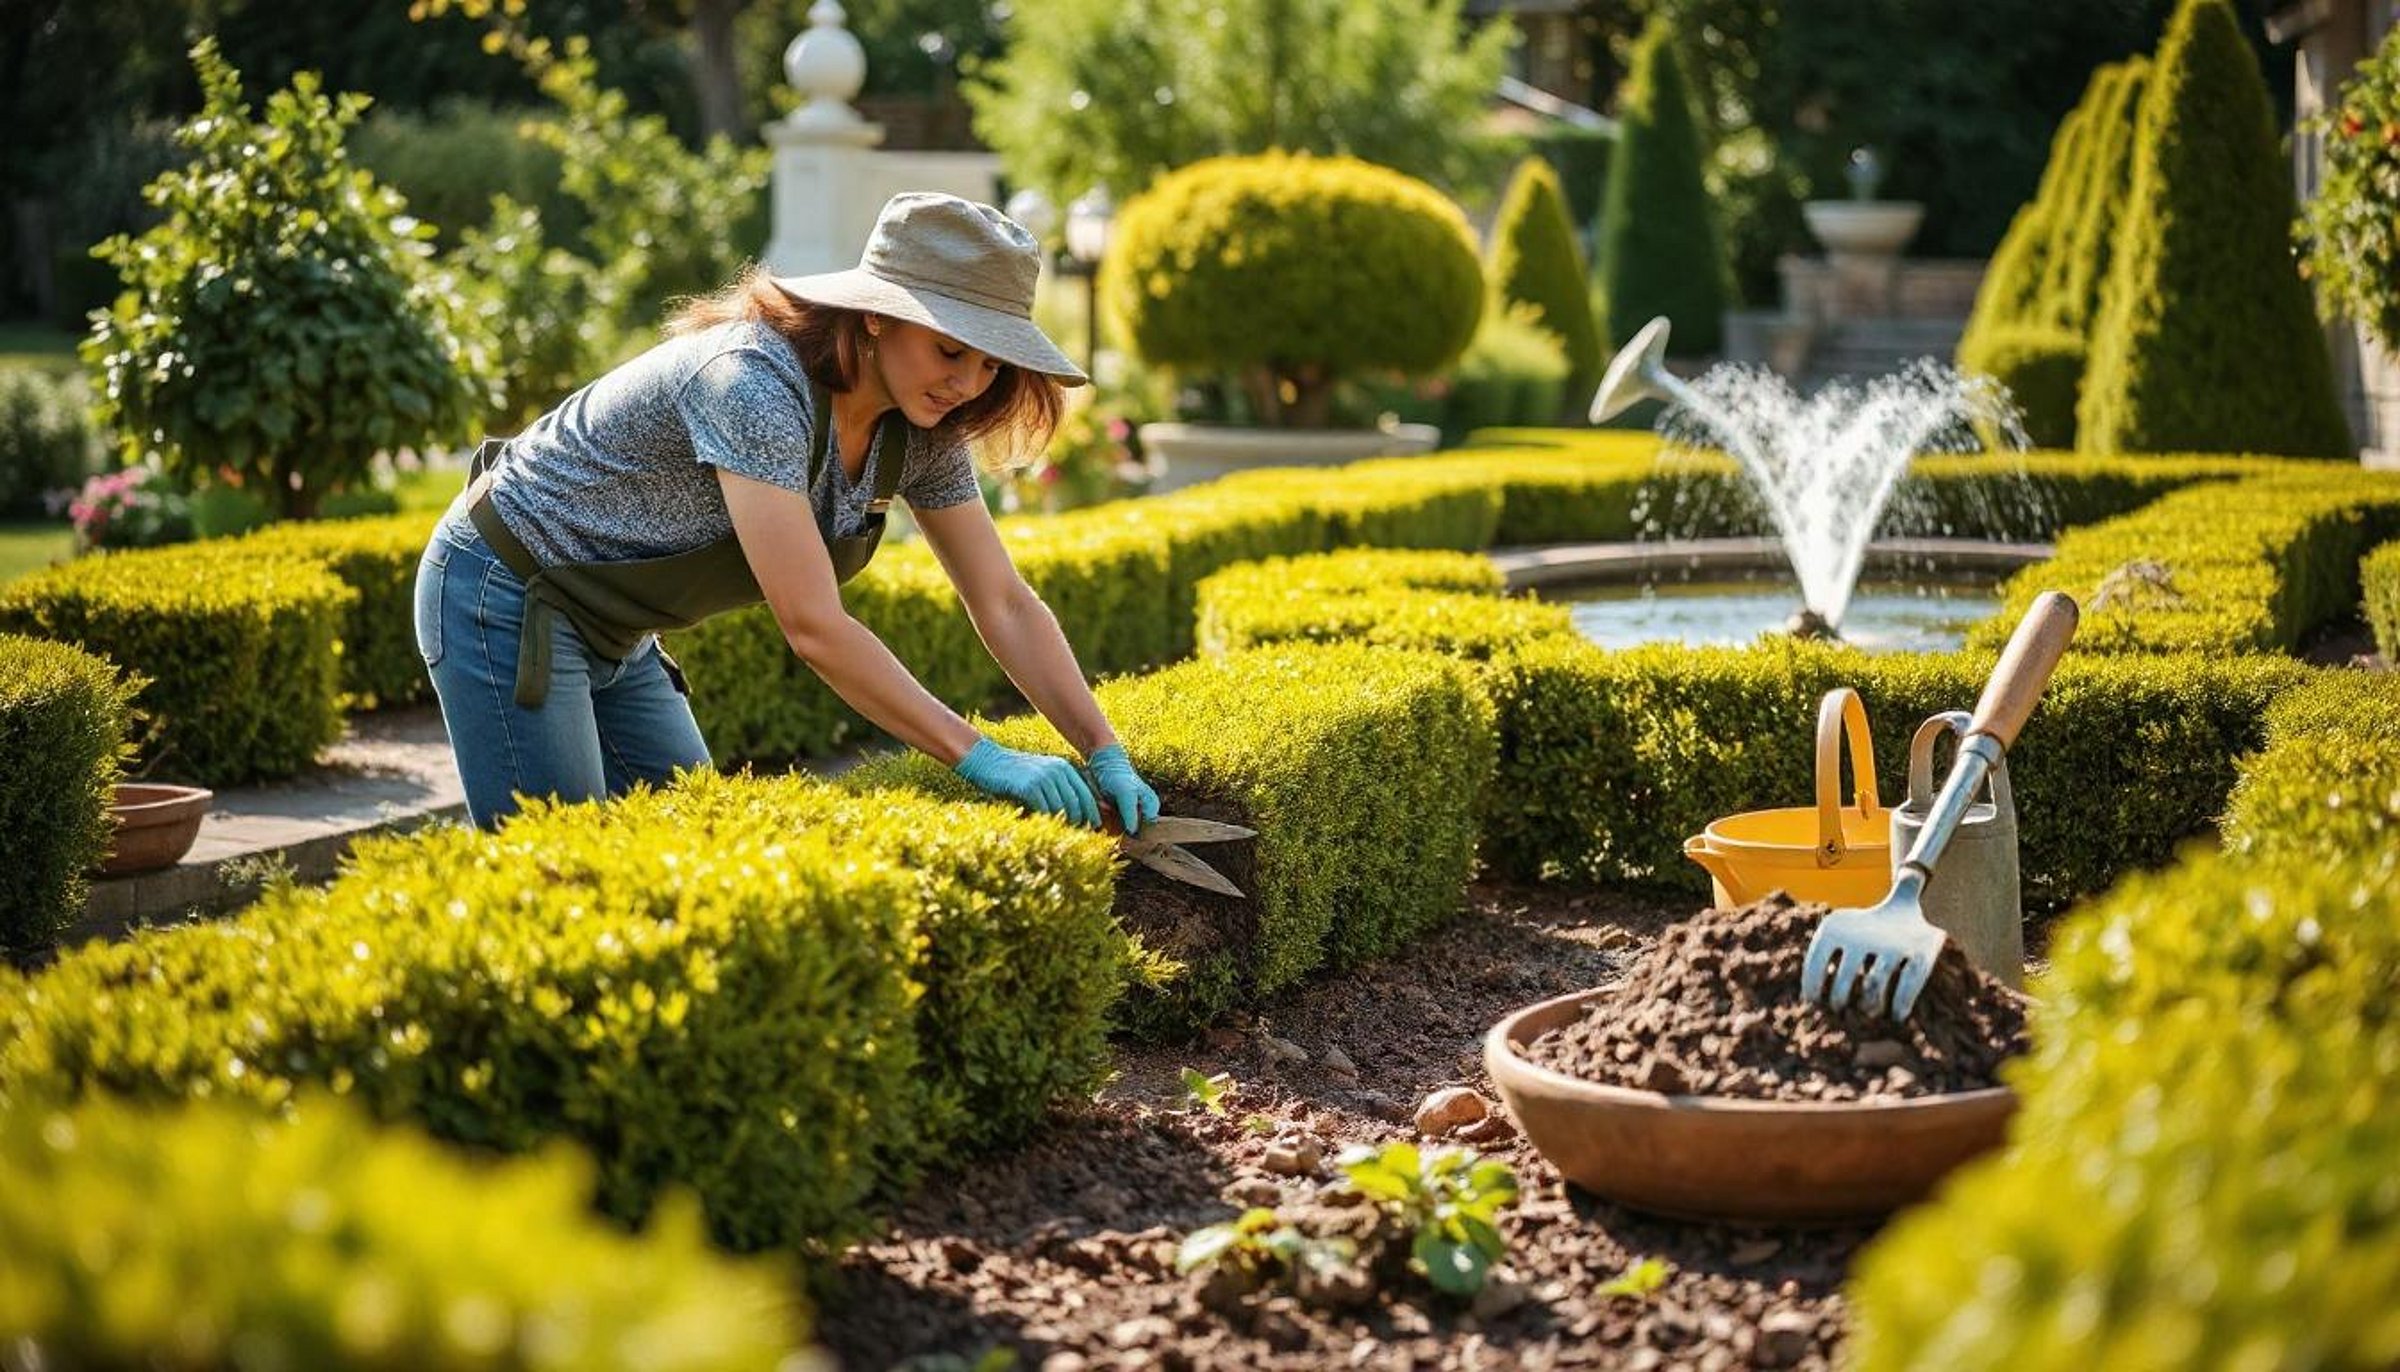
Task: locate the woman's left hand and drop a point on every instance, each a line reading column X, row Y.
column 1119, row 785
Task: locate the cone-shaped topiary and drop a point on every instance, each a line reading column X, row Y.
column 1659, row 248
column 2206, row 339
column 2036, row 303
column 2010, row 295
column 1534, row 260
column 2095, row 200
column 1290, row 273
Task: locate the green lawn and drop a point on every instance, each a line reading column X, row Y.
column 31, row 545
column 27, row 343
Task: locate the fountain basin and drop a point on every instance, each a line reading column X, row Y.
column 1919, row 595
column 1863, row 228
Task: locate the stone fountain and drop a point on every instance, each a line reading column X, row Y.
column 1824, row 466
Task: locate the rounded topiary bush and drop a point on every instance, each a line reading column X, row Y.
column 2043, row 372
column 47, row 443
column 1291, row 272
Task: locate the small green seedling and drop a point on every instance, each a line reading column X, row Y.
column 1641, row 1280
column 1258, row 1246
column 1259, row 1124
column 1207, row 1092
column 1448, row 1201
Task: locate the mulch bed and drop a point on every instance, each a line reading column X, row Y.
column 1713, row 1008
column 1063, row 1253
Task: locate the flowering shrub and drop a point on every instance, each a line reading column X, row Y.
column 1090, row 459
column 2350, row 229
column 136, row 507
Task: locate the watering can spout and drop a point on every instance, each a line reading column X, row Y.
column 1639, row 372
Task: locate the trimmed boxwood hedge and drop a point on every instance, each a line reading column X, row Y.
column 242, row 675
column 1435, row 601
column 2245, row 566
column 62, row 730
column 376, row 557
column 2200, row 1172
column 723, row 998
column 2379, row 580
column 2328, row 781
column 208, row 1239
column 1355, row 855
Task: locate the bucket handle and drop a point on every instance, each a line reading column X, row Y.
column 1840, row 712
column 1920, row 764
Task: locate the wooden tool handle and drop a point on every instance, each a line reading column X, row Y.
column 2033, row 652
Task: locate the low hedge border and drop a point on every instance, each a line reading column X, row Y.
column 63, row 716
column 2247, row 566
column 2379, row 580
column 1434, row 601
column 2328, row 780
column 204, row 1237
column 239, row 653
column 376, row 557
column 723, row 996
column 2200, row 1170
column 1355, row 856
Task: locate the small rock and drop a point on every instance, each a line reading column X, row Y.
column 1250, row 1191
column 1784, row 1338
column 1880, row 1053
column 1065, row 1360
column 1282, row 1050
column 1383, row 1106
column 1293, row 1158
column 1900, row 1080
column 1339, row 1063
column 1501, row 1293
column 1750, row 1251
column 1139, row 1332
column 1452, row 1107
column 1362, row 1351
column 1492, row 1128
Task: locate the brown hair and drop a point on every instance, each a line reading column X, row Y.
column 1009, row 423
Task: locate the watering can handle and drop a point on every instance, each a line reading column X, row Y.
column 1920, row 763
column 1840, row 712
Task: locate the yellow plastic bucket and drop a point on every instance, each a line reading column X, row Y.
column 1830, row 852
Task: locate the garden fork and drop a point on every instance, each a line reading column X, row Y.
column 1891, row 946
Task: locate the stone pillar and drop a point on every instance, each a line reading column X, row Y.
column 821, row 152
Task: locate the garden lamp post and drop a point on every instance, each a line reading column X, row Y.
column 1088, row 222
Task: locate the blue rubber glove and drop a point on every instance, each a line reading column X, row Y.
column 1123, row 787
column 1037, row 780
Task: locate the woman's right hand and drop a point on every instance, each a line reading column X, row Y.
column 1037, row 780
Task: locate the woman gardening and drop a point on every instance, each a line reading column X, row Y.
column 751, row 457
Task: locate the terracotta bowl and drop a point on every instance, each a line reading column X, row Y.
column 1721, row 1158
column 155, row 825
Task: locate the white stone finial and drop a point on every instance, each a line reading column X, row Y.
column 827, row 67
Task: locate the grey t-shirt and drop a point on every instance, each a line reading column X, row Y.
column 622, row 468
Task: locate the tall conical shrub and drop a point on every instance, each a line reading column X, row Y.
column 1659, row 248
column 1534, row 261
column 2096, row 197
column 2010, row 296
column 2206, row 339
column 2032, row 316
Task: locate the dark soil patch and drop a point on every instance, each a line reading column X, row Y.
column 1063, row 1252
column 2345, row 642
column 1714, row 1009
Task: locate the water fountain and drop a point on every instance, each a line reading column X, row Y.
column 1825, row 466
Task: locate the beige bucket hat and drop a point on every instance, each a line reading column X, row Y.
column 959, row 268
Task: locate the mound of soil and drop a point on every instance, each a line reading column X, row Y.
column 1714, row 1009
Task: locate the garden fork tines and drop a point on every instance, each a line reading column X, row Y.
column 1885, row 953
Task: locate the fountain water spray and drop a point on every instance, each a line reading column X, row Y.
column 1826, row 466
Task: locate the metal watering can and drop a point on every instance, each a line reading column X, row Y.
column 1830, row 852
column 1973, row 896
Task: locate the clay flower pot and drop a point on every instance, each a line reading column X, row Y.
column 1721, row 1158
column 155, row 825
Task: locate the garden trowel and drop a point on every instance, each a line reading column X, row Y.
column 1159, row 847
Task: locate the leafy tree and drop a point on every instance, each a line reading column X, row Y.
column 282, row 321
column 1534, row 260
column 1116, row 92
column 1659, row 252
column 2206, row 339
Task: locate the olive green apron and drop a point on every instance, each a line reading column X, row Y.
column 614, row 605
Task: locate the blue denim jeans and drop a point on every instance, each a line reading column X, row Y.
column 605, row 725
